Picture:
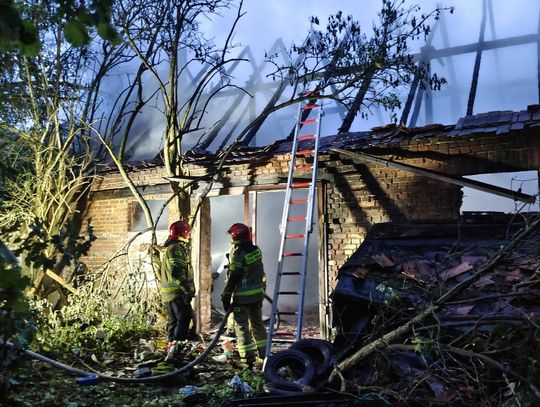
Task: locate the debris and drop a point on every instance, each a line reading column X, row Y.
column 418, row 270
column 223, row 358
column 515, row 276
column 144, row 371
column 145, row 350
column 484, row 281
column 456, row 271
column 463, row 297
column 240, row 387
column 383, row 260
column 190, row 390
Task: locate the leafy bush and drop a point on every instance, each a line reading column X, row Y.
column 14, row 310
column 89, row 323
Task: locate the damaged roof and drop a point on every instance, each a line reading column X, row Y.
column 477, row 232
column 448, row 311
column 418, row 259
column 480, row 125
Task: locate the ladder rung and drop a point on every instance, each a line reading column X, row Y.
column 308, row 107
column 304, row 168
column 294, row 236
column 306, row 137
column 299, row 201
column 289, row 293
column 280, row 336
column 283, row 340
column 291, row 254
column 304, row 152
column 287, row 313
column 291, row 273
column 308, row 121
column 296, row 218
column 301, row 184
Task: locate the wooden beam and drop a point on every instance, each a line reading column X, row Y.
column 464, row 182
column 477, row 60
column 61, row 281
column 486, row 45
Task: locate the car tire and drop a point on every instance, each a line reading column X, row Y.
column 320, row 351
column 289, row 366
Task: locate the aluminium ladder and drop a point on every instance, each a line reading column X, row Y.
column 305, row 204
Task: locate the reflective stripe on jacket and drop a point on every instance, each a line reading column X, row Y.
column 246, row 280
column 176, row 271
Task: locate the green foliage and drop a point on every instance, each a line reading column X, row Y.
column 218, row 394
column 89, row 324
column 19, row 26
column 76, row 33
column 255, row 380
column 423, row 345
column 40, row 188
column 17, row 32
column 389, row 293
column 14, row 309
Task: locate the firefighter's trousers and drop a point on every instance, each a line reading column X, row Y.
column 250, row 331
column 180, row 317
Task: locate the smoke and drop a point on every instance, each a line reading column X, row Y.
column 226, row 210
column 503, row 84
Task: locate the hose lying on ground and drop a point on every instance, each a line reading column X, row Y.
column 93, row 378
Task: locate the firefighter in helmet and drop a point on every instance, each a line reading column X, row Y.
column 244, row 291
column 177, row 288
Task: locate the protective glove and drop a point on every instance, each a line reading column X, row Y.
column 226, row 301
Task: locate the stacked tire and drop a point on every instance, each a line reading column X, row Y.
column 301, row 368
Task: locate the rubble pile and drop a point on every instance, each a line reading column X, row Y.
column 443, row 314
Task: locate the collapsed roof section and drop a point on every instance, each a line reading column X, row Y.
column 472, row 285
column 419, row 97
column 498, row 123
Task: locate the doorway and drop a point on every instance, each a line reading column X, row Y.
column 262, row 211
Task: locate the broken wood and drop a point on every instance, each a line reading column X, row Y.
column 61, row 281
column 366, row 350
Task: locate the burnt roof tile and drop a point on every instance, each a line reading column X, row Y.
column 524, row 116
column 503, row 129
column 517, row 126
column 535, row 115
column 494, row 122
column 459, row 124
column 506, row 116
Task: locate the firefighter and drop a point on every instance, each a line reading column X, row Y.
column 244, row 291
column 177, row 288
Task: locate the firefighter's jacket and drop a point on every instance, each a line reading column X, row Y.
column 246, row 281
column 176, row 271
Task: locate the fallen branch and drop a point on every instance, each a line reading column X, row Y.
column 502, row 367
column 385, row 339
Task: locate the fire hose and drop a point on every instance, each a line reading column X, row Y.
column 90, row 378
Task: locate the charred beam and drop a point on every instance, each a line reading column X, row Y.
column 477, row 61
column 464, row 182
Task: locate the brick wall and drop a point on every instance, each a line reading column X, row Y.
column 110, row 211
column 357, row 195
